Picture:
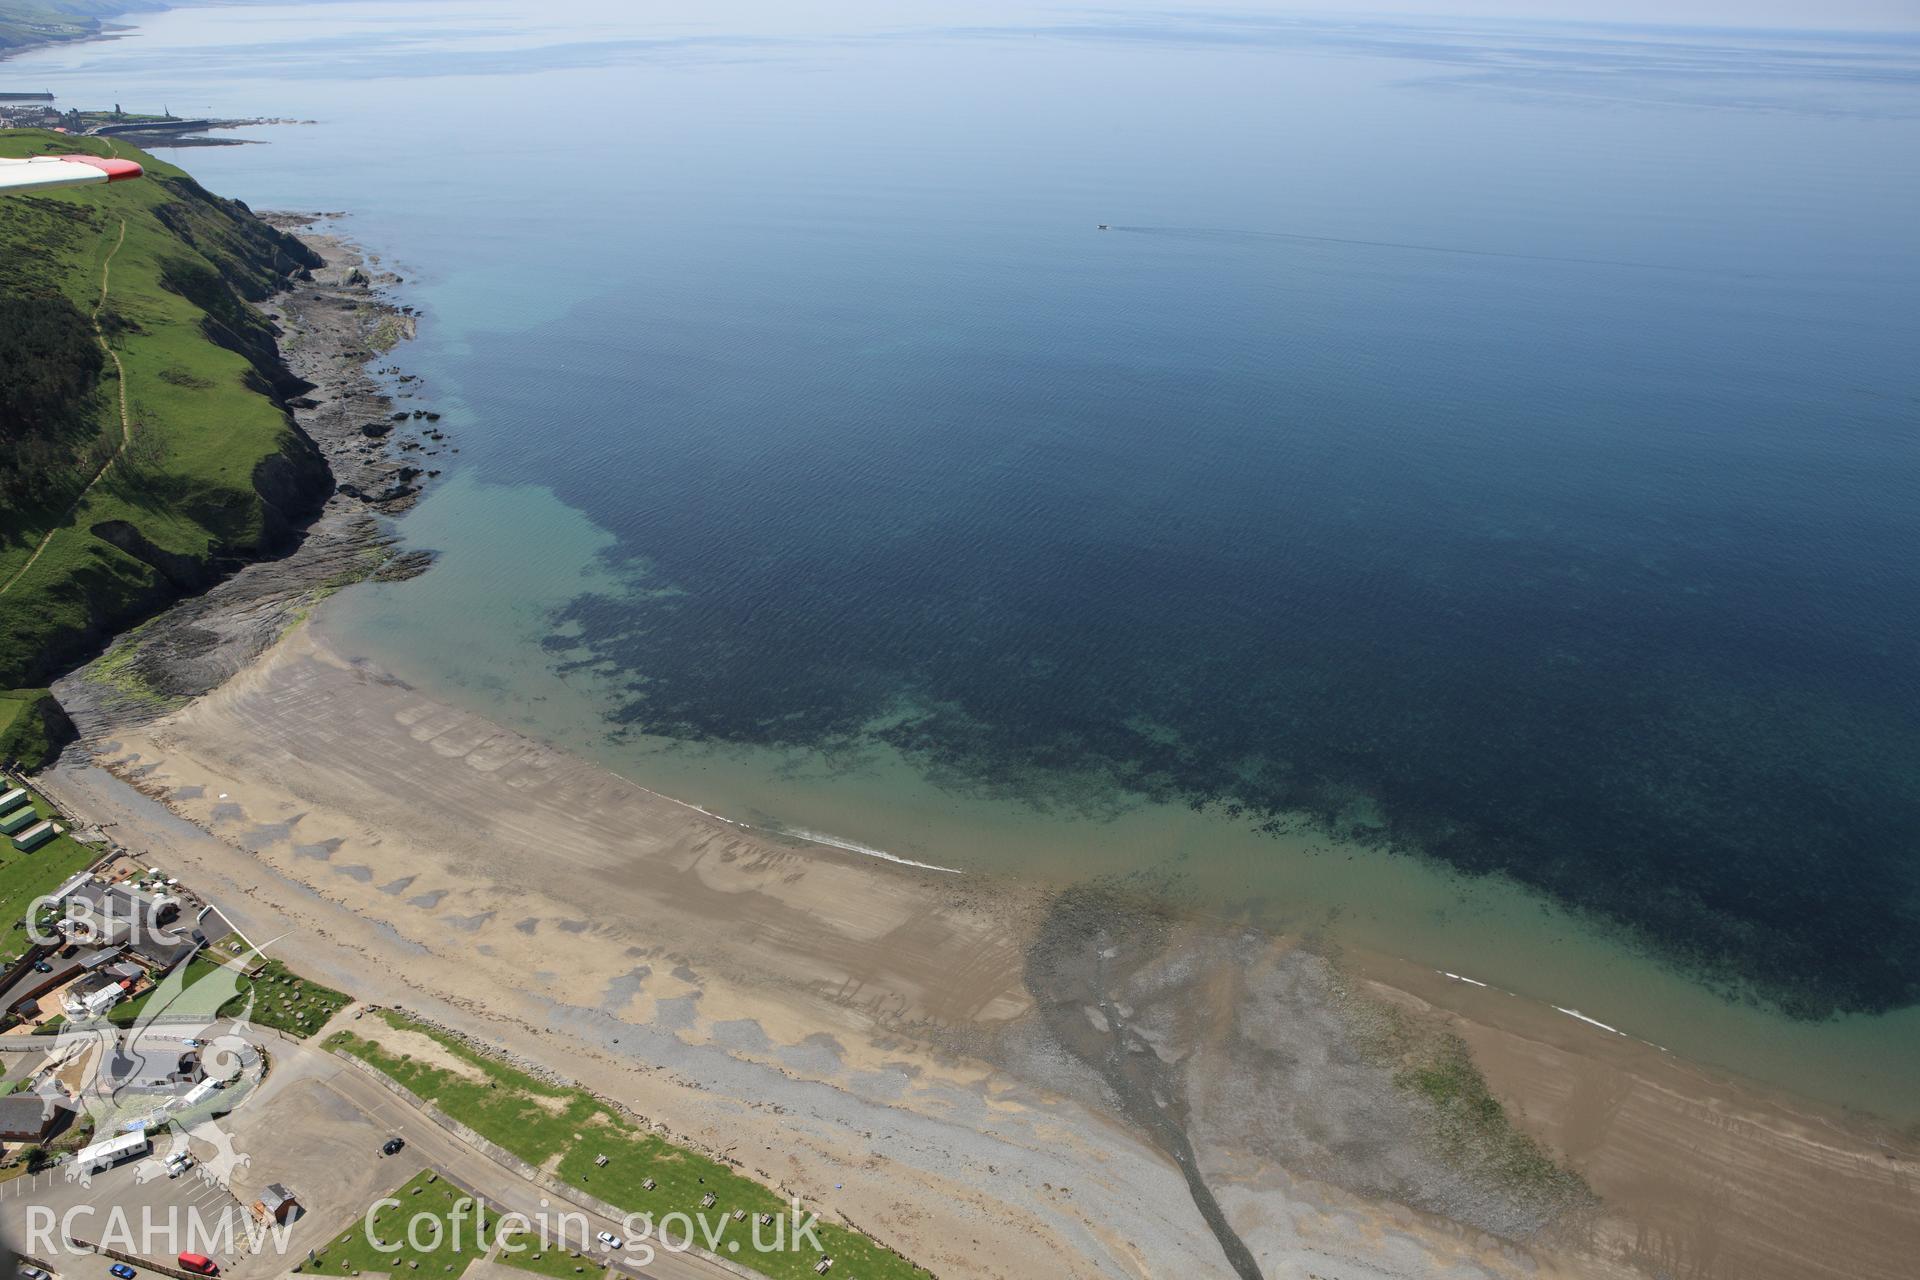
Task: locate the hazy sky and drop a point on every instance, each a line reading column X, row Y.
column 1824, row 15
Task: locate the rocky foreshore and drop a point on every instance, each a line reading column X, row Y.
column 332, row 326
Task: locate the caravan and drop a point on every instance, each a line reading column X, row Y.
column 104, row 1155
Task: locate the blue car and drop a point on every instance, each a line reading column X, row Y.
column 121, row 1270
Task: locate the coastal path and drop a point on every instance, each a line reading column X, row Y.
column 126, row 421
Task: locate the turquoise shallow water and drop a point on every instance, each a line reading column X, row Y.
column 1493, row 443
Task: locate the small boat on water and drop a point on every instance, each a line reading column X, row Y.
column 1105, row 227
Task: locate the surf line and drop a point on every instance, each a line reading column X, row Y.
column 811, row 837
column 800, row 833
column 1594, row 1022
column 1557, row 1008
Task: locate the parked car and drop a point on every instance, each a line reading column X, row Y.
column 33, row 1273
column 198, row 1262
column 41, row 966
column 609, row 1239
column 122, row 1271
column 392, row 1146
column 178, row 1164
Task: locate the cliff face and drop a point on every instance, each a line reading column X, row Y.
column 154, row 453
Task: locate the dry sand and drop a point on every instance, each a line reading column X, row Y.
column 862, row 1033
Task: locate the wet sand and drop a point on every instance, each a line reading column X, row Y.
column 864, row 1033
column 1700, row 1173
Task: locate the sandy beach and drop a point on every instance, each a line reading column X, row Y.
column 865, row 1033
column 996, row 1078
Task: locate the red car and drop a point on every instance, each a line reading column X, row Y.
column 199, row 1262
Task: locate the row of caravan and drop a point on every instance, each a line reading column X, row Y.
column 21, row 821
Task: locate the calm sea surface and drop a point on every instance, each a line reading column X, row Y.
column 1467, row 502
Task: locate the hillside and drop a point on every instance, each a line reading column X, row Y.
column 24, row 23
column 145, row 449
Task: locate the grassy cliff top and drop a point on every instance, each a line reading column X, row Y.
column 143, row 447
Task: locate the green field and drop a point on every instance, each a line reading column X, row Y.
column 540, row 1122
column 137, row 294
column 26, row 876
column 426, row 1212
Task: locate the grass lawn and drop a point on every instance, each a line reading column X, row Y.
column 287, row 1002
column 190, row 1002
column 425, row 1217
column 539, row 1122
column 26, row 876
column 281, row 999
column 561, row 1264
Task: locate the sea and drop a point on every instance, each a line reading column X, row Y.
column 1450, row 486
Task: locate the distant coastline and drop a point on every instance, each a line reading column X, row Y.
column 75, row 20
column 20, row 33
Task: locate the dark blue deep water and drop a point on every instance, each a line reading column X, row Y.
column 1600, row 574
column 1497, row 443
